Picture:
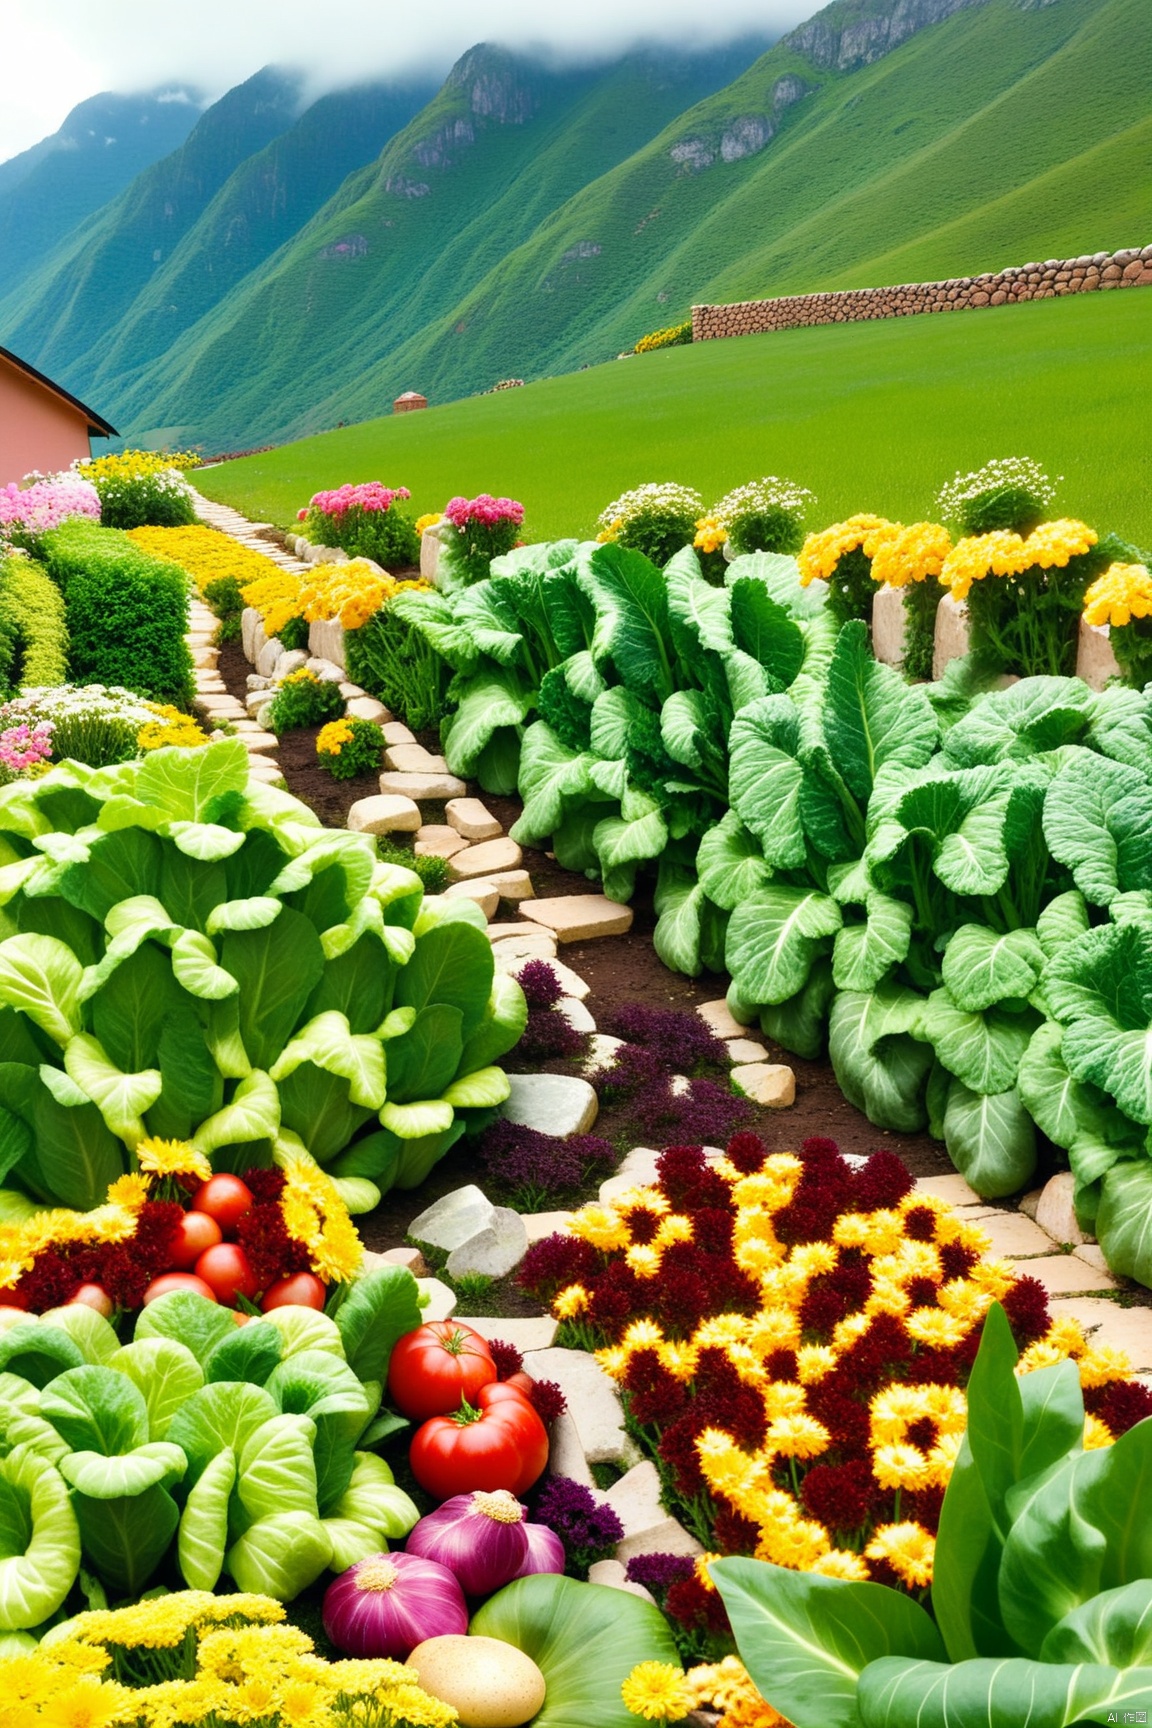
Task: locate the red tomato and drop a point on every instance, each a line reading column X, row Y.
column 177, row 1281
column 227, row 1271
column 522, row 1382
column 195, row 1232
column 301, row 1290
column 226, row 1199
column 437, row 1368
column 498, row 1442
column 93, row 1296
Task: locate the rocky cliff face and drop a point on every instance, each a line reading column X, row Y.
column 496, row 87
column 847, row 34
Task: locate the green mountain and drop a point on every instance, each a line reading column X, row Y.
column 103, row 144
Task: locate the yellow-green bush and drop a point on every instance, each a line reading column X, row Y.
column 33, row 634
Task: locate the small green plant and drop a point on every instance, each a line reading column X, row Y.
column 227, row 601
column 658, row 519
column 304, row 700
column 294, row 634
column 364, row 522
column 765, row 515
column 433, row 872
column 162, row 499
column 400, row 666
column 33, row 633
column 1013, row 492
column 349, row 747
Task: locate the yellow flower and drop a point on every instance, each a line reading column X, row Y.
column 173, row 1158
column 908, row 1548
column 1096, row 1434
column 332, row 738
column 842, row 1563
column 1002, row 553
column 797, row 1436
column 602, row 1226
column 1122, row 593
column 935, row 1329
column 315, row 1215
column 822, row 552
column 572, row 1300
column 900, row 1467
column 428, row 520
column 710, row 534
column 644, row 1259
column 911, row 554
column 656, row 1691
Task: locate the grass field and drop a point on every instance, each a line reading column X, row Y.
column 870, row 416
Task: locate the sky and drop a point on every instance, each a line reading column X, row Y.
column 55, row 55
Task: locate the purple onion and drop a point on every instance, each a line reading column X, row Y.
column 479, row 1537
column 387, row 1604
column 545, row 1551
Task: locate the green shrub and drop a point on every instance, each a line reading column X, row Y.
column 127, row 613
column 400, row 667
column 349, row 747
column 294, row 634
column 386, row 536
column 658, row 519
column 159, row 500
column 33, row 633
column 433, row 872
column 227, row 601
column 304, row 700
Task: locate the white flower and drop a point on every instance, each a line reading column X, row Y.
column 656, row 495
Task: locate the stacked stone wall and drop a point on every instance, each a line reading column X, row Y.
column 1131, row 268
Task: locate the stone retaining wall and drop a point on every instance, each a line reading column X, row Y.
column 1131, row 268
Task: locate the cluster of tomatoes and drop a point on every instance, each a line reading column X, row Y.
column 205, row 1259
column 476, row 1432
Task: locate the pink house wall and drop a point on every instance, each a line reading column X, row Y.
column 37, row 428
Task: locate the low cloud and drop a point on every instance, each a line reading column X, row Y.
column 136, row 45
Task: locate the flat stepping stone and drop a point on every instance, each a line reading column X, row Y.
column 421, row 787
column 384, row 814
column 511, row 885
column 952, row 1188
column 1065, row 1274
column 593, row 1402
column 565, row 1453
column 648, row 1528
column 771, row 1084
column 454, row 1218
column 524, row 1334
column 512, row 953
column 367, row 708
column 395, row 732
column 413, row 759
column 556, row 1104
column 718, row 1018
column 577, row 1016
column 441, row 1300
column 472, row 819
column 578, row 917
column 1127, row 1329
column 746, row 1050
column 482, row 860
column 542, row 1224
column 436, row 840
column 602, row 1048
column 1015, row 1236
column 1056, row 1213
column 258, row 741
column 480, row 893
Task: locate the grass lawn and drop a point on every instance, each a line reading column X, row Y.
column 870, row 416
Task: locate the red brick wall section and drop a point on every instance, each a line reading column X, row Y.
column 1128, row 269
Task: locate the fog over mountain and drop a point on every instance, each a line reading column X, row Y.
column 56, row 57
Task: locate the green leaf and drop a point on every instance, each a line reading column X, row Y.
column 251, row 1353
column 873, row 718
column 372, row 1499
column 225, row 1414
column 899, row 1694
column 164, row 1372
column 276, row 1471
column 38, row 1353
column 280, row 1556
column 183, row 783
column 483, row 1089
column 203, row 1538
column 120, row 1098
column 880, row 1062
column 125, row 1475
column 780, row 575
column 423, row 1060
column 328, row 1042
column 806, row 1639
column 801, row 1023
column 1098, row 821
column 990, row 1139
column 192, row 1321
column 419, row 1121
column 731, row 863
column 1098, row 988
column 254, row 1114
column 41, row 977
column 983, row 1050
column 766, row 777
column 379, row 1308
column 301, row 1329
column 774, row 937
column 863, row 953
column 494, row 698
column 632, row 618
column 584, row 1639
column 124, row 1540
column 763, row 629
column 1062, row 921
column 501, row 1028
column 982, row 967
column 701, row 611
column 277, row 969
column 452, row 964
column 550, row 776
column 1031, row 717
column 93, row 1336
column 195, row 968
column 39, row 1541
column 1113, row 1628
column 96, row 1409
column 1124, row 1220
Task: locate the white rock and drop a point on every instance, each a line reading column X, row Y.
column 611, row 1574
column 576, row 1014
column 532, row 1333
column 888, row 625
column 637, row 1171
column 952, row 635
column 291, row 660
column 483, row 859
column 552, row 1103
column 413, row 759
column 421, row 786
column 437, row 1299
column 472, row 819
column 492, row 1251
column 481, row 893
column 383, row 814
column 1055, row 1212
column 367, row 708
column 772, row 1084
column 1095, row 660
column 250, row 622
column 1030, row 1202
column 593, row 1402
column 454, row 1219
column 511, row 955
column 268, row 659
column 648, row 1528
column 717, row 1016
column 565, row 1453
column 602, row 1048
column 746, row 1050
column 326, row 640
column 326, row 670
column 542, row 1224
column 513, row 885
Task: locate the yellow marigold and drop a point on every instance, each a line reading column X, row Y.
column 1122, row 593
column 644, row 1259
column 935, row 1329
column 572, row 1300
column 710, row 534
column 822, row 552
column 172, row 1158
column 814, row 1362
column 656, row 1692
column 876, row 1232
column 331, row 739
column 908, row 1548
column 602, row 1226
column 428, row 520
column 129, row 1191
column 275, row 596
column 797, row 1437
column 901, row 1467
column 315, row 1215
column 727, row 1686
column 1097, row 1434
column 773, row 1329
column 912, row 554
column 1101, row 1364
column 1002, row 553
column 842, row 1563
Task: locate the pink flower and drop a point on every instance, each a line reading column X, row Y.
column 47, row 503
column 370, row 495
column 484, row 509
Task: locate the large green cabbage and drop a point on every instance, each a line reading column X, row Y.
column 187, row 953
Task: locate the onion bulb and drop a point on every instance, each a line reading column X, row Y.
column 387, row 1604
column 480, row 1537
column 545, row 1551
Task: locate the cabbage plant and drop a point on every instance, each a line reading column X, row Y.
column 241, row 1452
column 1041, row 1598
column 187, row 953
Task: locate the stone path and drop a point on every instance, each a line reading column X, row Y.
column 1041, row 1239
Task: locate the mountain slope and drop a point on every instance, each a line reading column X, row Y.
column 98, row 150
column 502, row 144
column 60, row 314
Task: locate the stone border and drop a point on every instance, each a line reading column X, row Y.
column 1131, row 268
column 1095, row 661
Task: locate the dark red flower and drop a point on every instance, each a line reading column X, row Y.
column 555, row 1262
column 547, row 1400
column 655, row 1397
column 642, row 1224
column 265, row 1184
column 735, row 1534
column 507, row 1358
column 920, row 1223
column 956, row 1262
column 1120, row 1404
column 712, row 1231
column 693, row 1605
column 841, row 1496
column 844, row 1416
column 747, row 1151
column 881, row 1183
column 922, row 1292
column 1026, row 1306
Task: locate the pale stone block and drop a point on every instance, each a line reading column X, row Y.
column 511, row 956
column 952, row 636
column 533, row 1333
column 602, row 1048
column 258, row 740
column 269, row 656
column 454, row 1219
column 432, row 787
column 718, row 1018
column 746, row 1050
column 593, row 1402
column 1030, row 1202
column 557, row 1104
column 565, row 1453
column 435, row 840
column 1095, row 661
column 1092, row 1255
column 481, row 893
column 1055, row 1212
column 952, row 1188
column 514, row 885
column 413, row 759
column 1067, row 1275
column 482, row 860
column 648, row 1528
column 326, row 640
column 493, row 1251
column 576, row 1014
column 1013, row 1235
column 326, row 670
column 348, row 691
column 250, row 622
column 472, row 819
column 1127, row 1329
column 437, row 1299
column 888, row 625
column 410, row 1259
column 384, row 814
column 395, row 732
column 542, row 1224
column 612, row 1575
column 429, row 554
column 578, row 917
column 771, row 1084
column 367, row 708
